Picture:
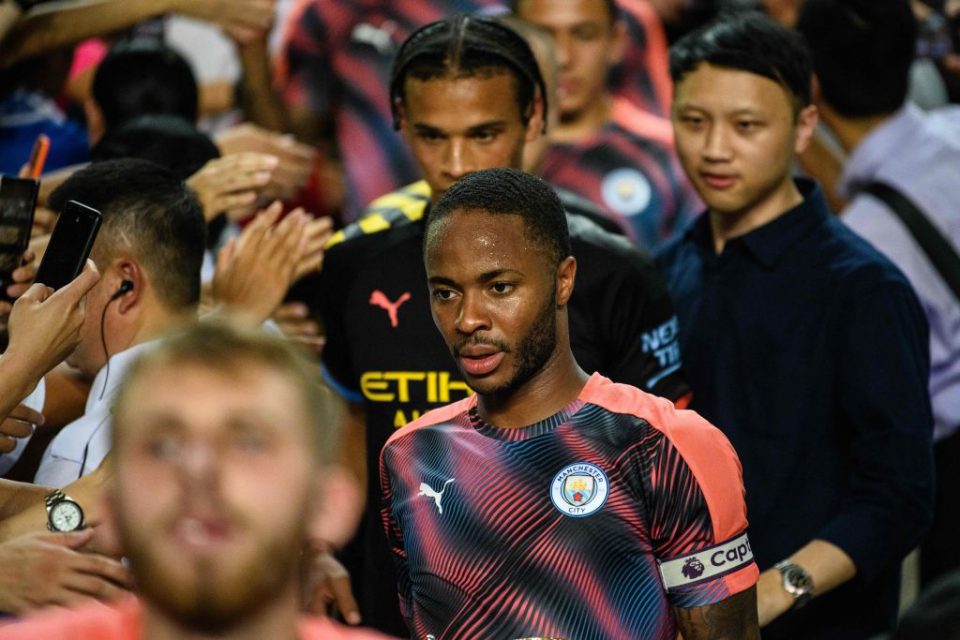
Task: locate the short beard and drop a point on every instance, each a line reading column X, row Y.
column 213, row 603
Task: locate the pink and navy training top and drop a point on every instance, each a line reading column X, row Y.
column 592, row 523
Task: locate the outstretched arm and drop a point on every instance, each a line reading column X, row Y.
column 46, row 28
column 732, row 619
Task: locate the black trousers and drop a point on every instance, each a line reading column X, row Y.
column 940, row 550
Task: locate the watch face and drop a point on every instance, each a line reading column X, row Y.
column 798, row 579
column 66, row 516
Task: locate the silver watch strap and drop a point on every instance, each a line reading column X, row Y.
column 53, row 497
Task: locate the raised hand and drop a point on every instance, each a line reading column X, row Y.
column 295, row 159
column 232, row 184
column 255, row 271
column 45, row 325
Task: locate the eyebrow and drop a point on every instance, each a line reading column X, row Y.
column 493, row 124
column 752, row 111
column 441, row 280
column 486, row 276
column 421, row 127
column 425, row 128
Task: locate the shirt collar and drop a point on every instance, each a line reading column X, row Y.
column 884, row 142
column 770, row 242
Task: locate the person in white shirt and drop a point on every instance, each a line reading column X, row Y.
column 149, row 250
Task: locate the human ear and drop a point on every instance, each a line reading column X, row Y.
column 566, row 274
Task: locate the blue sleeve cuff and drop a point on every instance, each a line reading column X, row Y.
column 353, row 395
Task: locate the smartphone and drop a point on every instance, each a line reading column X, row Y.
column 70, row 245
column 18, row 199
column 38, row 158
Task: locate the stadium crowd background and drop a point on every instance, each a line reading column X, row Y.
column 260, row 158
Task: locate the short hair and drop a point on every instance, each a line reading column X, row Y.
column 230, row 348
column 862, row 52
column 152, row 214
column 509, row 192
column 170, row 141
column 140, row 77
column 748, row 41
column 467, row 46
column 613, row 11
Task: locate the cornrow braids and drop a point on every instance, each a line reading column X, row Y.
column 463, row 46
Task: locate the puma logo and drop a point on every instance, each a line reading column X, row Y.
column 427, row 490
column 379, row 299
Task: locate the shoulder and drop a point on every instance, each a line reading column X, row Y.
column 389, row 222
column 392, row 211
column 121, row 622
column 705, row 450
column 432, row 418
column 854, row 261
column 677, row 248
column 313, row 628
column 588, row 238
column 579, row 208
column 675, row 424
column 609, row 264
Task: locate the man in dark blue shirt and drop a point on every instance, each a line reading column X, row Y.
column 800, row 341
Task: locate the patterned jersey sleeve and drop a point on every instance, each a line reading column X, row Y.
column 643, row 75
column 394, row 535
column 304, row 71
column 698, row 517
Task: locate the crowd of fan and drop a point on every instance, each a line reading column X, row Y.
column 763, row 200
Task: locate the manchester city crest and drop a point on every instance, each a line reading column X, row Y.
column 626, row 191
column 579, row 489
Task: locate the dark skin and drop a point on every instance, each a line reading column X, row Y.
column 732, row 619
column 496, row 294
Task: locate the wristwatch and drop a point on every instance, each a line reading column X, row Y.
column 796, row 581
column 63, row 513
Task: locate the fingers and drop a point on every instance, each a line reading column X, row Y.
column 313, row 345
column 81, row 285
column 331, row 583
column 26, row 414
column 225, row 255
column 71, row 540
column 291, row 311
column 343, row 597
column 92, row 586
column 37, row 292
column 236, row 205
column 11, row 428
column 102, row 567
column 319, row 231
column 232, row 183
column 44, row 219
column 244, row 162
column 7, row 444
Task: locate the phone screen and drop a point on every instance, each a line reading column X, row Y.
column 70, row 245
column 18, row 199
